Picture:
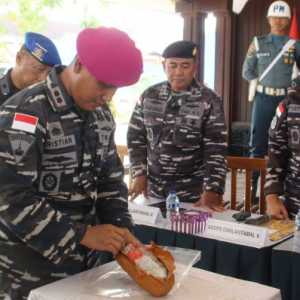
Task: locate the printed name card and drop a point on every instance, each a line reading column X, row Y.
column 250, row 235
column 142, row 214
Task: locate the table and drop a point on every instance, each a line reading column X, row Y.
column 210, row 285
column 217, row 256
column 286, row 269
column 222, row 257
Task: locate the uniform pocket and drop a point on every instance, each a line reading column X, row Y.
column 153, row 119
column 153, row 115
column 264, row 59
column 187, row 132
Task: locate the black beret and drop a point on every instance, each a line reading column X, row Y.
column 42, row 48
column 181, row 49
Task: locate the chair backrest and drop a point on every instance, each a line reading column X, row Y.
column 122, row 152
column 248, row 164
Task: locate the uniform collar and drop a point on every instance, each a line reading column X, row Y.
column 167, row 94
column 194, row 84
column 58, row 96
column 7, row 86
column 271, row 38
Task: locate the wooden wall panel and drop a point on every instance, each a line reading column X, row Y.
column 234, row 35
column 195, row 12
column 252, row 21
column 202, row 5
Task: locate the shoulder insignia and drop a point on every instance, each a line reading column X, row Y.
column 20, row 144
column 251, row 50
column 25, row 122
column 280, row 109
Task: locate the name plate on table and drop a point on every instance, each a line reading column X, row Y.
column 244, row 234
column 143, row 214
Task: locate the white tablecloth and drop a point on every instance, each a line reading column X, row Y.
column 198, row 284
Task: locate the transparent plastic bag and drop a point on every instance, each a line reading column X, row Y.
column 184, row 261
column 116, row 283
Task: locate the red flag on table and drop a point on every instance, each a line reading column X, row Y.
column 294, row 32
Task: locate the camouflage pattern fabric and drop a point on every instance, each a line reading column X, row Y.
column 7, row 88
column 179, row 141
column 283, row 173
column 59, row 172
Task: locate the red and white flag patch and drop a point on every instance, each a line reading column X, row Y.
column 280, row 109
column 25, row 122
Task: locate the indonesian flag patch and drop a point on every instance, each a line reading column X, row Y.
column 280, row 109
column 25, row 122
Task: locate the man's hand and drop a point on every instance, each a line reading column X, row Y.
column 108, row 238
column 211, row 200
column 138, row 186
column 275, row 207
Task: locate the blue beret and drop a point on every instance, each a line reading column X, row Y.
column 42, row 48
column 181, row 49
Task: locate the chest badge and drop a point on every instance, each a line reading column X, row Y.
column 50, row 181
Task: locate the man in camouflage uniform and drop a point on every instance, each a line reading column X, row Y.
column 283, row 173
column 62, row 193
column 33, row 62
column 272, row 88
column 177, row 137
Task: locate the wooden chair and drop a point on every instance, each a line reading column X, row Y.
column 122, row 152
column 248, row 164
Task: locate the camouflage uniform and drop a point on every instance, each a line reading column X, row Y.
column 179, row 141
column 57, row 177
column 283, row 174
column 7, row 88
